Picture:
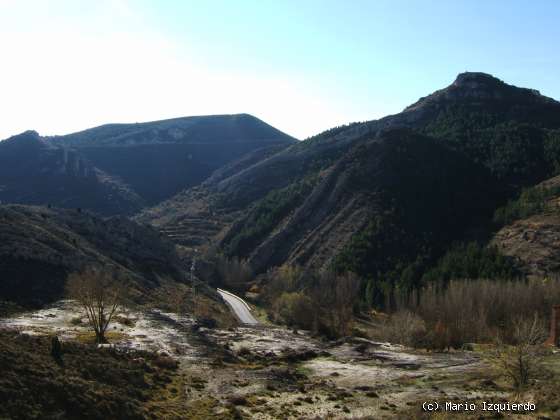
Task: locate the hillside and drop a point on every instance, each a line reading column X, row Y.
column 406, row 185
column 32, row 171
column 533, row 239
column 41, row 246
column 384, row 198
column 121, row 168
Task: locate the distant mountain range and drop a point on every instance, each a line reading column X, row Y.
column 120, row 168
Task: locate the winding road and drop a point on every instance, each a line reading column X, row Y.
column 239, row 307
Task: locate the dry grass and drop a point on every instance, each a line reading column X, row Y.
column 88, row 337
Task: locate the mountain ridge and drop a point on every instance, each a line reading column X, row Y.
column 273, row 211
column 120, row 168
column 173, row 130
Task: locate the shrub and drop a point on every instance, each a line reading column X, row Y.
column 100, row 294
column 404, row 327
column 295, row 309
column 166, row 362
column 76, row 320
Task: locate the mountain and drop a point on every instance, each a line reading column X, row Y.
column 159, row 159
column 383, row 198
column 40, row 246
column 120, row 168
column 220, row 129
column 33, row 171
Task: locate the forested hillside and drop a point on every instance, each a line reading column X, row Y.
column 386, row 199
column 40, row 246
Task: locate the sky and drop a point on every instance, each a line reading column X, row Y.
column 302, row 66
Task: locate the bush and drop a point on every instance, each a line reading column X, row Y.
column 166, row 362
column 404, row 327
column 90, row 384
column 294, row 309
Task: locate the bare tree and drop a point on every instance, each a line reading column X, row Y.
column 100, row 294
column 521, row 362
column 335, row 295
column 234, row 273
column 346, row 293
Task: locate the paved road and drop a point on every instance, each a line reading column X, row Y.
column 239, row 307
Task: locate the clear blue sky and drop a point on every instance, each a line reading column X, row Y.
column 303, row 66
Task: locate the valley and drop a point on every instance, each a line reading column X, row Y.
column 216, row 267
column 270, row 372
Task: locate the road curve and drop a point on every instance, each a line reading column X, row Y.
column 239, row 307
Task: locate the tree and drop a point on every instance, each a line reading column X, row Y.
column 100, row 293
column 234, row 273
column 335, row 295
column 521, row 362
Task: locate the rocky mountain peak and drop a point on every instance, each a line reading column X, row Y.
column 474, row 80
column 29, row 135
column 478, row 87
column 27, row 139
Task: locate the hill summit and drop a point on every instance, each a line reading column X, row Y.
column 120, row 168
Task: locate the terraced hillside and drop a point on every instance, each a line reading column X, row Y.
column 383, row 198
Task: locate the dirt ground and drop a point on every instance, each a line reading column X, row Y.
column 270, row 372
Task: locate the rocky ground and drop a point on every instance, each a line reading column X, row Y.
column 269, row 372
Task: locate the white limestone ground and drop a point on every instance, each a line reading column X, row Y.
column 350, row 378
column 153, row 330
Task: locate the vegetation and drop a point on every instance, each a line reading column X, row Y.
column 90, row 383
column 217, row 270
column 531, row 201
column 37, row 253
column 322, row 302
column 470, row 311
column 521, row 362
column 233, row 273
column 515, row 149
column 392, row 271
column 471, row 261
column 100, row 293
column 265, row 216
